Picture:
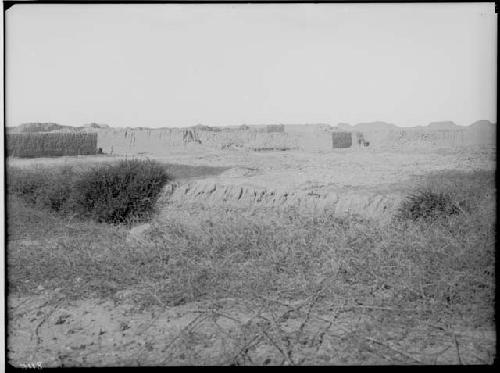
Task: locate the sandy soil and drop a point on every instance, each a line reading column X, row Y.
column 46, row 330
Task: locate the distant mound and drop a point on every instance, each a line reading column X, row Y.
column 322, row 126
column 44, row 127
column 96, row 125
column 39, row 127
column 11, row 129
column 445, row 125
column 375, row 126
column 345, row 126
column 203, row 127
column 482, row 125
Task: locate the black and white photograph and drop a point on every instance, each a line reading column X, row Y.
column 249, row 183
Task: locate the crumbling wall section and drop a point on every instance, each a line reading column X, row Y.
column 129, row 141
column 306, row 138
column 423, row 137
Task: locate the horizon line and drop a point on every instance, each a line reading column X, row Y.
column 253, row 124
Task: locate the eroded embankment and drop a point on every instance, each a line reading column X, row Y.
column 367, row 203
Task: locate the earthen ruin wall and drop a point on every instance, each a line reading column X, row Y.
column 123, row 141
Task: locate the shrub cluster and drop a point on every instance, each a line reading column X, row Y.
column 426, row 204
column 114, row 193
column 106, row 193
column 448, row 193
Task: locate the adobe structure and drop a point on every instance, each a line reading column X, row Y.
column 286, row 137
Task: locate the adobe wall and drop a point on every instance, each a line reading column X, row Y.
column 122, row 141
column 418, row 137
column 298, row 137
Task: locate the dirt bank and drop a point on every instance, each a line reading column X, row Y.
column 368, row 183
column 342, row 202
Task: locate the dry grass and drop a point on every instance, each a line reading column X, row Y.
column 403, row 273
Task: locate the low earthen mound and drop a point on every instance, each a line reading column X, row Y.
column 375, row 126
column 96, row 125
column 39, row 127
column 483, row 125
column 231, row 194
column 444, row 125
column 345, row 126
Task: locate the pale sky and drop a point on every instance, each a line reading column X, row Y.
column 226, row 64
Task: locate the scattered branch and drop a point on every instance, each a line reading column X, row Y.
column 458, row 349
column 395, row 350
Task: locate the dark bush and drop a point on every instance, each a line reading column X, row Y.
column 115, row 193
column 107, row 193
column 426, row 204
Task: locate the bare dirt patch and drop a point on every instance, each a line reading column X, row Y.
column 94, row 332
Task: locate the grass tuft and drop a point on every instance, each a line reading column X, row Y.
column 426, row 204
column 441, row 195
